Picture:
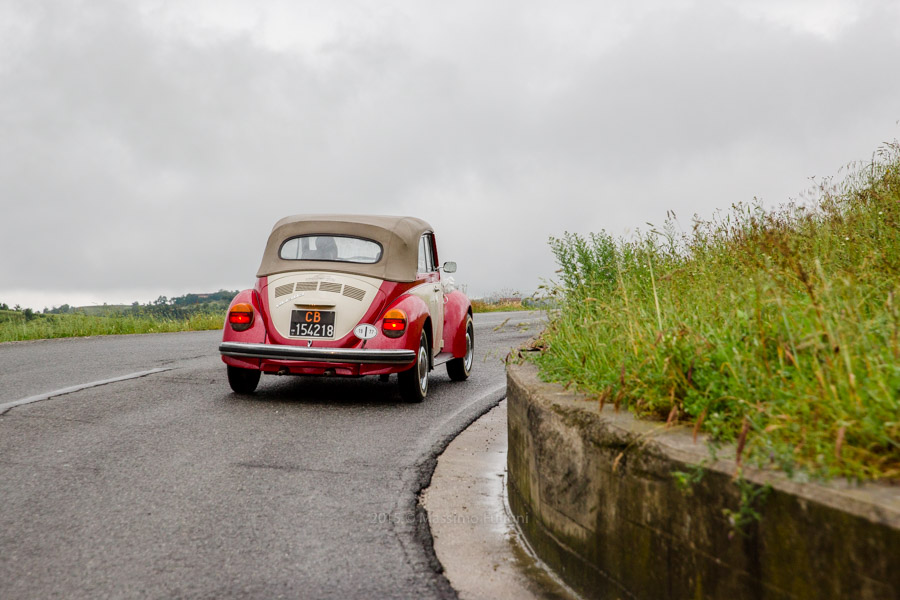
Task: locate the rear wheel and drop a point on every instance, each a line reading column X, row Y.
column 459, row 368
column 243, row 381
column 414, row 381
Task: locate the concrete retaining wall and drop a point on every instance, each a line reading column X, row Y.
column 601, row 507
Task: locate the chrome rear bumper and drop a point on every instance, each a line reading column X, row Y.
column 357, row 356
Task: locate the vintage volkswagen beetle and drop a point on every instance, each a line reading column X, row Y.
column 350, row 295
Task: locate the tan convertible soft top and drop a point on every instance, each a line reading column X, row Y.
column 398, row 236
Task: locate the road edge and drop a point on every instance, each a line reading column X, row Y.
column 8, row 406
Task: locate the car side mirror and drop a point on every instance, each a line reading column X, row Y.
column 449, row 267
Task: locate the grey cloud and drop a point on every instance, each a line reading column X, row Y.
column 136, row 156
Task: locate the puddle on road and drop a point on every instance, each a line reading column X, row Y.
column 475, row 533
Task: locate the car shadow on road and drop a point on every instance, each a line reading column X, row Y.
column 365, row 391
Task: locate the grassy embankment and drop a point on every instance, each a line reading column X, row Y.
column 185, row 313
column 15, row 327
column 775, row 330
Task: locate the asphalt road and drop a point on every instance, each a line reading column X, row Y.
column 169, row 485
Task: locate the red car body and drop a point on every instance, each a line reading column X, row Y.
column 277, row 331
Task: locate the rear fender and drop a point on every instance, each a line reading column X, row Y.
column 255, row 335
column 416, row 315
column 457, row 310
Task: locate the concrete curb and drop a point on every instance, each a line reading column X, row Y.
column 475, row 537
column 599, row 504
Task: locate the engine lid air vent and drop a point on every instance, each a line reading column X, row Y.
column 327, row 286
column 353, row 292
column 284, row 290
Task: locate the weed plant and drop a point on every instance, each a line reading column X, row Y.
column 775, row 330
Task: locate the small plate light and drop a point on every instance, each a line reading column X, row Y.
column 364, row 331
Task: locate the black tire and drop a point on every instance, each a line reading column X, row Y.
column 243, row 381
column 459, row 368
column 414, row 381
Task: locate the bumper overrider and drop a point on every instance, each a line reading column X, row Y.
column 359, row 356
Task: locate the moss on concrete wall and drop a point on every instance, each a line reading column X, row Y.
column 604, row 510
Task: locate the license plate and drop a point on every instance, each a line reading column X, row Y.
column 312, row 323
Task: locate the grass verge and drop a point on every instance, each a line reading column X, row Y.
column 15, row 327
column 776, row 330
column 479, row 306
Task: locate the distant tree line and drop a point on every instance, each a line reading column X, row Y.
column 180, row 307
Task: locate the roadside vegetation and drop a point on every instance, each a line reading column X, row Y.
column 509, row 300
column 776, row 330
column 191, row 312
column 482, row 306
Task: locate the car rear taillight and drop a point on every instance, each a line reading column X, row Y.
column 240, row 317
column 394, row 323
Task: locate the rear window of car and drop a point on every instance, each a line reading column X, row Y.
column 337, row 248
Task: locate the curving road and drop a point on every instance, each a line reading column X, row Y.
column 168, row 485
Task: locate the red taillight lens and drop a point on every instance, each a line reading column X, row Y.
column 240, row 317
column 394, row 323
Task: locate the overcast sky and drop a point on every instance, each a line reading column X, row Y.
column 147, row 147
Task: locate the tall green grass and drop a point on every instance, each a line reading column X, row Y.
column 777, row 330
column 15, row 327
column 480, row 306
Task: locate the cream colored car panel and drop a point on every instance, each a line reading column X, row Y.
column 433, row 295
column 349, row 296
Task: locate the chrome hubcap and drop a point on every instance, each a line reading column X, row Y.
column 470, row 350
column 423, row 369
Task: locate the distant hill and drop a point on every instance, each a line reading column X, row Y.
column 176, row 307
column 94, row 310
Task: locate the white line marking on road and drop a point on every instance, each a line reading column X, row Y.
column 6, row 406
